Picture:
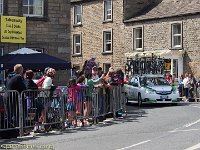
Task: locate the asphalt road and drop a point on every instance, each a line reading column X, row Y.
column 152, row 127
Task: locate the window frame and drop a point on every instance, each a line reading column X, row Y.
column 2, row 4
column 138, row 38
column 105, row 10
column 75, row 44
column 176, row 35
column 75, row 15
column 34, row 15
column 107, row 42
column 104, row 67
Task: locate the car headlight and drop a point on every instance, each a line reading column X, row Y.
column 150, row 91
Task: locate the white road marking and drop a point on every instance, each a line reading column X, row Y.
column 191, row 124
column 194, row 147
column 134, row 145
column 173, row 131
column 196, row 106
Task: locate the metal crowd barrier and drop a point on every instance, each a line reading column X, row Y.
column 10, row 112
column 45, row 109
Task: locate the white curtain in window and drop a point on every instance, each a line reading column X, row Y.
column 108, row 9
column 38, row 7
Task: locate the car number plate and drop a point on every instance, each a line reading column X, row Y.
column 164, row 97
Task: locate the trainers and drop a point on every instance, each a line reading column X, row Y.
column 86, row 124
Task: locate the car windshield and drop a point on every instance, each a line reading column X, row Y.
column 154, row 81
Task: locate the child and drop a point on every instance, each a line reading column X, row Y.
column 90, row 85
column 81, row 83
column 71, row 102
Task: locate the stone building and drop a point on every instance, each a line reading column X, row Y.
column 97, row 31
column 47, row 27
column 107, row 29
column 170, row 26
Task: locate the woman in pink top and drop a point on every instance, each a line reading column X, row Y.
column 71, row 102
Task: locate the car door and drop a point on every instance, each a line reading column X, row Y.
column 134, row 88
column 128, row 89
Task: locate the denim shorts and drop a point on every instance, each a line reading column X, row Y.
column 71, row 106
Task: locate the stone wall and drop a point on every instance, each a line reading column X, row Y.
column 157, row 35
column 92, row 33
column 51, row 33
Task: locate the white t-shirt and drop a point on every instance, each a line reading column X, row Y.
column 47, row 83
column 46, row 86
column 186, row 82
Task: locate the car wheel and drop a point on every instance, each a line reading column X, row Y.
column 139, row 100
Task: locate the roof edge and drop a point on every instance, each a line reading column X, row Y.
column 164, row 17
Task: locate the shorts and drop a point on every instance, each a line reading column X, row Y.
column 71, row 106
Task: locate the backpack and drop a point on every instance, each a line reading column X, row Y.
column 40, row 81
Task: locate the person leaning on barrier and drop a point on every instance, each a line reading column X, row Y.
column 45, row 95
column 28, row 81
column 30, row 85
column 90, row 85
column 14, row 81
column 48, row 83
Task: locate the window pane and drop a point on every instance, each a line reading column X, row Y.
column 106, row 67
column 25, row 2
column 37, row 11
column 138, row 43
column 177, row 40
column 139, row 33
column 1, row 6
column 38, row 7
column 77, row 39
column 25, row 10
column 177, row 29
column 107, row 9
column 108, row 4
column 108, row 47
column 78, row 9
column 108, row 36
column 77, row 14
column 30, row 10
column 78, row 49
column 33, row 7
column 31, row 2
column 78, row 18
column 107, row 41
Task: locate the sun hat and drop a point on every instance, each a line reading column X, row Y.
column 51, row 72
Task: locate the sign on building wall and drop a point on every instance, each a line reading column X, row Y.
column 13, row 29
